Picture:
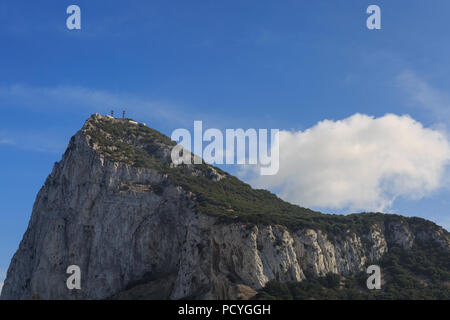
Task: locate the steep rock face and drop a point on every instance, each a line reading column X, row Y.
column 135, row 234
column 82, row 217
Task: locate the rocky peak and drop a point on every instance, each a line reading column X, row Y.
column 139, row 227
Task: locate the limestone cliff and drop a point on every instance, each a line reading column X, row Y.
column 140, row 228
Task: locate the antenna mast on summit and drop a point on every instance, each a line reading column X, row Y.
column 112, row 113
column 123, row 114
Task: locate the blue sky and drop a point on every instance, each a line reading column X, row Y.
column 250, row 64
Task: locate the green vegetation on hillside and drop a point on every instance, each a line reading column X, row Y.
column 119, row 141
column 420, row 273
column 229, row 199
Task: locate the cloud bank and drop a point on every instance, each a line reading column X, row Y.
column 359, row 163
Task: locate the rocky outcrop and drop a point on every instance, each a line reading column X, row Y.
column 135, row 234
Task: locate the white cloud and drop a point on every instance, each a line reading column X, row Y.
column 359, row 163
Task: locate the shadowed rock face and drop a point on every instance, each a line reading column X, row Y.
column 136, row 234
